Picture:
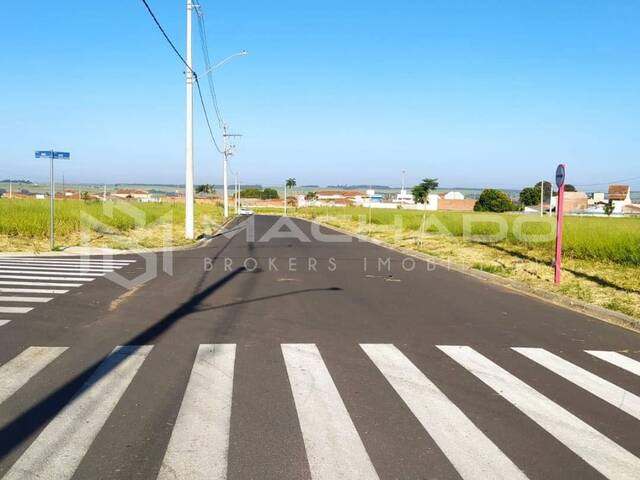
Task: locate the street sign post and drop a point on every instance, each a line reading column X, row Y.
column 561, row 173
column 52, row 155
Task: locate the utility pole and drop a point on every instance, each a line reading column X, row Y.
column 10, row 189
column 188, row 194
column 236, row 195
column 104, row 194
column 285, row 199
column 542, row 198
column 225, row 173
column 52, row 193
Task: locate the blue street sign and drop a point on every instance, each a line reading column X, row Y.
column 52, row 154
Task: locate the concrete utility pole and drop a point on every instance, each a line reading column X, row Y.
column 285, row 199
column 188, row 186
column 542, row 198
column 10, row 189
column 237, row 195
column 104, row 194
column 225, row 169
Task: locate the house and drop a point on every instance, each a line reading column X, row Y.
column 404, row 198
column 131, row 194
column 620, row 197
column 575, row 201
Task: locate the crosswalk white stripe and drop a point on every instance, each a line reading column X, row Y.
column 472, row 454
column 38, row 277
column 199, row 443
column 333, row 445
column 25, row 299
column 18, row 371
column 78, row 263
column 18, row 310
column 53, row 268
column 4, row 322
column 617, row 359
column 41, row 284
column 607, row 457
column 601, row 388
column 50, row 272
column 59, row 449
column 69, row 261
column 32, row 290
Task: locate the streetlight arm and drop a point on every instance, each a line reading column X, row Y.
column 222, row 62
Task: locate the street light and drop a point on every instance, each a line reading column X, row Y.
column 222, row 62
column 227, row 146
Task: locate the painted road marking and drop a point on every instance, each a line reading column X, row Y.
column 33, row 290
column 71, row 279
column 17, row 372
column 4, row 322
column 50, row 272
column 199, row 442
column 472, row 454
column 607, row 391
column 617, row 359
column 607, row 457
column 74, row 261
column 41, row 284
column 15, row 309
column 59, row 449
column 333, row 445
column 6, row 266
column 26, row 299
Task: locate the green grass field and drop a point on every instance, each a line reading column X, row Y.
column 28, row 220
column 609, row 239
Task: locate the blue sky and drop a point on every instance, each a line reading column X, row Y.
column 476, row 93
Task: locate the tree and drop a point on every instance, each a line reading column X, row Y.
column 270, row 194
column 492, row 200
column 311, row 196
column 569, row 188
column 251, row 193
column 530, row 196
column 608, row 208
column 421, row 195
column 547, row 190
column 206, row 188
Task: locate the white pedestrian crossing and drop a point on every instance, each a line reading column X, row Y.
column 607, row 391
column 472, row 454
column 333, row 445
column 59, row 449
column 4, row 322
column 200, row 439
column 25, row 299
column 6, row 266
column 617, row 359
column 18, row 310
column 18, row 371
column 33, row 290
column 198, row 447
column 607, row 457
column 53, row 279
column 40, row 284
column 47, row 272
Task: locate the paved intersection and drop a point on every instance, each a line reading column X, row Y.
column 270, row 369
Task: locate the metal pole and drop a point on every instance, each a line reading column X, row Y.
column 559, row 225
column 239, row 195
column 225, row 174
column 52, row 240
column 188, row 195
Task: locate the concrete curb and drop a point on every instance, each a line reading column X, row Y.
column 600, row 313
column 79, row 251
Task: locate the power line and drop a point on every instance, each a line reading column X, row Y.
column 607, row 183
column 195, row 75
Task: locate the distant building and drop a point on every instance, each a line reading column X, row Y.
column 130, row 194
column 404, row 198
column 620, row 197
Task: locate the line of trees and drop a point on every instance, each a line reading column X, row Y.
column 263, row 194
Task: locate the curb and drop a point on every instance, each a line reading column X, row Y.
column 597, row 312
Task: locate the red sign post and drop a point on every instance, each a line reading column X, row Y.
column 561, row 173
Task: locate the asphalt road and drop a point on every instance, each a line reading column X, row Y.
column 279, row 358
